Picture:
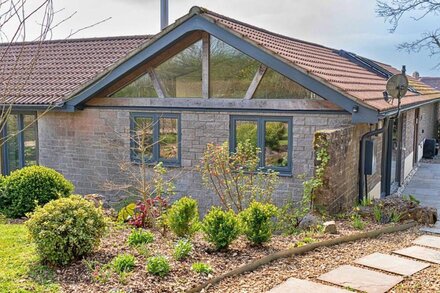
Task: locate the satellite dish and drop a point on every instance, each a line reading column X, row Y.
column 397, row 86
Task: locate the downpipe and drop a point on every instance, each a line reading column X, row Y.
column 362, row 176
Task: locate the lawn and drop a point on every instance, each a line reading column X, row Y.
column 20, row 270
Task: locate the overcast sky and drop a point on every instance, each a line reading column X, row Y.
column 341, row 24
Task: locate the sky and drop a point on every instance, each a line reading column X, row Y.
column 351, row 25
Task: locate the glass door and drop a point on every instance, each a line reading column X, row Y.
column 393, row 156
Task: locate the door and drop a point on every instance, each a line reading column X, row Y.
column 393, row 147
column 416, row 136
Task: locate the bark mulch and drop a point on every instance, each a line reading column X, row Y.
column 90, row 275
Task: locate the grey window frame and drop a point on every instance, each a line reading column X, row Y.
column 156, row 134
column 20, row 137
column 261, row 130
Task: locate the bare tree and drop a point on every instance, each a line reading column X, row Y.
column 394, row 10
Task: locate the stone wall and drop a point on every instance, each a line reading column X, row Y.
column 340, row 191
column 88, row 147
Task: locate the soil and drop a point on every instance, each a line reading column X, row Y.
column 90, row 275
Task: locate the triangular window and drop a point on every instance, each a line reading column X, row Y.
column 231, row 71
column 140, row 88
column 277, row 86
column 181, row 75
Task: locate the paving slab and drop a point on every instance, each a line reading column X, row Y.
column 434, row 229
column 361, row 279
column 392, row 264
column 428, row 240
column 303, row 286
column 422, row 253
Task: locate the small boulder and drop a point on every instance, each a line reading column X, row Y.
column 308, row 222
column 330, row 227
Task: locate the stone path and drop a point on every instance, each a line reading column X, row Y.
column 369, row 274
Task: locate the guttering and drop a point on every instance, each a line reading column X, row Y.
column 39, row 107
column 362, row 179
column 406, row 108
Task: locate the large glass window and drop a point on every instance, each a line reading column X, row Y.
column 181, row 75
column 20, row 147
column 155, row 138
column 270, row 134
column 277, row 86
column 140, row 88
column 231, row 71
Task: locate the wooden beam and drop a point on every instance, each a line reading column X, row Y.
column 255, row 82
column 206, row 48
column 156, row 83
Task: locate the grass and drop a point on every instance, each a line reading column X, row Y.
column 20, row 271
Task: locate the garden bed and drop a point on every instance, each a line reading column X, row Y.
column 89, row 275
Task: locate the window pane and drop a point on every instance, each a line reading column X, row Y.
column 246, row 130
column 143, row 138
column 276, row 144
column 231, row 71
column 168, row 141
column 181, row 75
column 12, row 143
column 140, row 88
column 277, row 86
column 30, row 140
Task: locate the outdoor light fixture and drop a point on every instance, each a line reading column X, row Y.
column 355, row 109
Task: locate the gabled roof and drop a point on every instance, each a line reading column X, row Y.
column 431, row 81
column 355, row 86
column 47, row 72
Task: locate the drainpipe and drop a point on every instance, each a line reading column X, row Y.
column 362, row 178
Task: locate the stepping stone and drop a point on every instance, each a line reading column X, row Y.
column 422, row 253
column 434, row 229
column 304, row 286
column 428, row 240
column 392, row 264
column 361, row 279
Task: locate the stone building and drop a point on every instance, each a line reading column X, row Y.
column 209, row 78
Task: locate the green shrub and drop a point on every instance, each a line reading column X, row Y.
column 3, row 219
column 220, row 227
column 357, row 222
column 140, row 236
column 201, row 268
column 123, row 263
column 29, row 186
column 183, row 217
column 257, row 222
column 158, row 265
column 182, row 249
column 66, row 229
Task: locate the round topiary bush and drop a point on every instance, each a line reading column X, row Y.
column 66, row 229
column 221, row 227
column 27, row 187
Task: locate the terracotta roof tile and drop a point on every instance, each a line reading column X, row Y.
column 325, row 63
column 44, row 73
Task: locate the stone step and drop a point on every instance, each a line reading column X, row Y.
column 422, row 253
column 434, row 229
column 428, row 240
column 361, row 279
column 303, row 286
column 392, row 264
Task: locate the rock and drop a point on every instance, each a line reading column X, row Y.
column 96, row 199
column 423, row 215
column 309, row 221
column 330, row 227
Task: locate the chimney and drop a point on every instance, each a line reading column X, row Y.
column 163, row 14
column 416, row 75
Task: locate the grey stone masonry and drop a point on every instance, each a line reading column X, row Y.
column 89, row 146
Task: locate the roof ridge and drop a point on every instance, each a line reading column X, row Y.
column 73, row 40
column 202, row 10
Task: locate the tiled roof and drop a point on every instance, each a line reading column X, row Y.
column 328, row 65
column 45, row 73
column 432, row 81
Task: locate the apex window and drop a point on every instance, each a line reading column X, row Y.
column 155, row 137
column 272, row 135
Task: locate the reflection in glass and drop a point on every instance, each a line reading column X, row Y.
column 143, row 138
column 168, row 138
column 276, row 144
column 231, row 70
column 140, row 88
column 30, row 140
column 273, row 85
column 181, row 75
column 246, row 130
column 12, row 143
column 394, row 152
